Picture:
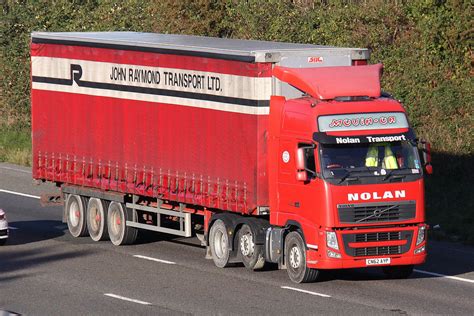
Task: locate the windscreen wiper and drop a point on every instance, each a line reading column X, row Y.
column 346, row 177
column 389, row 174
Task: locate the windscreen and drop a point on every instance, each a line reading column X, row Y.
column 388, row 160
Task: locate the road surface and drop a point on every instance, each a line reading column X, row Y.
column 44, row 271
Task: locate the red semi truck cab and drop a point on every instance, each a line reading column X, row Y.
column 345, row 170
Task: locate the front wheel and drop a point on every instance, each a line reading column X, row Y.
column 398, row 272
column 295, row 260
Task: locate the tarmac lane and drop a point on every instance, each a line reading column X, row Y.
column 45, row 271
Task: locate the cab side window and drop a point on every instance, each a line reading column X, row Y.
column 310, row 162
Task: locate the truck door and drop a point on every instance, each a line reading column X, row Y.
column 290, row 199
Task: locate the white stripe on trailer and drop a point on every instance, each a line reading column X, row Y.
column 305, row 291
column 444, row 276
column 154, row 259
column 20, row 194
column 123, row 298
column 194, row 81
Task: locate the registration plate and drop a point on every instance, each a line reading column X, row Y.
column 377, row 261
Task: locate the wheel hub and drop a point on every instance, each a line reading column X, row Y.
column 74, row 214
column 246, row 245
column 221, row 244
column 295, row 257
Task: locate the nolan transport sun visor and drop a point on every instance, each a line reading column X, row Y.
column 324, row 138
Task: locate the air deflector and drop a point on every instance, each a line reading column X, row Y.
column 326, row 83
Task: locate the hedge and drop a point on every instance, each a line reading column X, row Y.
column 425, row 46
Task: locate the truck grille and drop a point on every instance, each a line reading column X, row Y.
column 376, row 212
column 378, row 236
column 355, row 251
column 376, row 251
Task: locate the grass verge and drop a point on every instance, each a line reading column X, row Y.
column 15, row 145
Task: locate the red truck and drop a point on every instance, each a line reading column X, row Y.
column 267, row 151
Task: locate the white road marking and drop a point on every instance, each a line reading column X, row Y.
column 304, row 291
column 154, row 259
column 12, row 228
column 14, row 169
column 123, row 298
column 444, row 276
column 20, row 194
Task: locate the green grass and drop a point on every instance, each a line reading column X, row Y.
column 15, row 145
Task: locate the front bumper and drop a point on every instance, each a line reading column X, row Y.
column 344, row 263
column 355, row 246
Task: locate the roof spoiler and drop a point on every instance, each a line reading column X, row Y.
column 327, row 83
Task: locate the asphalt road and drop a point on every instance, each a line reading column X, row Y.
column 44, row 271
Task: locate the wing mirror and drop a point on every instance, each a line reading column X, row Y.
column 301, row 174
column 426, row 150
column 305, row 162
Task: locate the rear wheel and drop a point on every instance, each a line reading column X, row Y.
column 96, row 219
column 119, row 232
column 295, row 260
column 398, row 272
column 3, row 241
column 250, row 253
column 75, row 216
column 219, row 244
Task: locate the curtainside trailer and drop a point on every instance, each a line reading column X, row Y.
column 267, row 151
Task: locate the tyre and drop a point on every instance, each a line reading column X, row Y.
column 398, row 272
column 3, row 241
column 97, row 219
column 295, row 259
column 219, row 244
column 76, row 216
column 119, row 232
column 251, row 254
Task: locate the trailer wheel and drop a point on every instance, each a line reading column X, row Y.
column 219, row 244
column 75, row 216
column 398, row 272
column 96, row 219
column 295, row 260
column 119, row 232
column 250, row 253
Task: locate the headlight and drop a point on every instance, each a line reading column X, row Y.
column 421, row 235
column 331, row 240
